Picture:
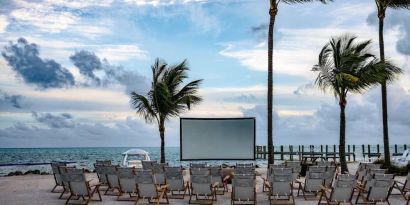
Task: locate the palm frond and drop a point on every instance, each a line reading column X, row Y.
column 346, row 66
column 143, row 107
column 305, row 1
column 399, row 4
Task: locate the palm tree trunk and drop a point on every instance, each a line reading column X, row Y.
column 342, row 142
column 272, row 13
column 381, row 16
column 162, row 135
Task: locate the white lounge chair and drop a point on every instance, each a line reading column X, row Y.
column 379, row 191
column 341, row 191
column 202, row 188
column 127, row 184
column 147, row 189
column 243, row 189
column 403, row 160
column 175, row 182
column 280, row 186
column 57, row 175
column 313, row 183
column 79, row 186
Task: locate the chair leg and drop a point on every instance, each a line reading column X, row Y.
column 357, row 198
column 66, row 202
column 320, row 199
column 54, row 188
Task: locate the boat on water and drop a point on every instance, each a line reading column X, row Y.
column 134, row 158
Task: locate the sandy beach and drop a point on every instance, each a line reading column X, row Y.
column 35, row 189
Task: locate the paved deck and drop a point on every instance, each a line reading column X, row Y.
column 35, row 189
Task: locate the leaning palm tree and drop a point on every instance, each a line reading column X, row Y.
column 167, row 97
column 382, row 5
column 346, row 66
column 273, row 11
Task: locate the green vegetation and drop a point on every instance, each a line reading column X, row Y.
column 167, row 97
column 346, row 66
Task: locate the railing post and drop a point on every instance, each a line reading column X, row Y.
column 395, row 148
column 348, row 151
column 368, row 151
column 363, row 151
column 281, row 152
column 378, row 149
column 354, row 153
column 327, row 150
column 291, row 152
column 264, row 152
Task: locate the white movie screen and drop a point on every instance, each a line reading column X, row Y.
column 217, row 138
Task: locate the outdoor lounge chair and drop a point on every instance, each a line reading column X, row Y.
column 147, row 189
column 296, row 168
column 280, row 186
column 101, row 171
column 317, row 168
column 216, row 177
column 341, row 191
column 126, row 180
column 199, row 171
column 379, row 190
column 243, row 189
column 244, row 170
column 57, row 175
column 197, row 165
column 79, row 186
column 273, row 171
column 112, row 180
column 202, row 188
column 404, row 188
column 175, row 182
column 102, row 162
column 244, row 165
column 313, row 183
column 329, row 175
column 159, row 173
column 148, row 165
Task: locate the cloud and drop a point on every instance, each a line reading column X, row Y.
column 63, row 120
column 399, row 19
column 363, row 121
column 122, row 52
column 87, row 62
column 3, row 23
column 13, row 100
column 24, row 59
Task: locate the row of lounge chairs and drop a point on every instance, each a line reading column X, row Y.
column 157, row 182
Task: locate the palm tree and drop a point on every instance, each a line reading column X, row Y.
column 382, row 5
column 273, row 11
column 167, row 97
column 347, row 66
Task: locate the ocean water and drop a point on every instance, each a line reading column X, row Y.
column 85, row 157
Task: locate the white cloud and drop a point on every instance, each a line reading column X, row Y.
column 3, row 23
column 45, row 20
column 121, row 52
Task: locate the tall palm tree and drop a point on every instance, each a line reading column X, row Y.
column 273, row 11
column 167, row 97
column 347, row 66
column 382, row 5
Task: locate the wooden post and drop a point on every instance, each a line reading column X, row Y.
column 299, row 152
column 321, row 148
column 334, row 148
column 264, row 152
column 354, row 153
column 368, row 151
column 378, row 149
column 281, row 152
column 363, row 151
column 327, row 150
column 348, row 151
column 405, row 146
column 291, row 152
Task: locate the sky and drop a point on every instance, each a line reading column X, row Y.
column 67, row 68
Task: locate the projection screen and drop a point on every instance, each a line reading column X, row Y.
column 217, row 139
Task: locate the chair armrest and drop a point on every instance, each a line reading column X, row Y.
column 226, row 178
column 299, row 181
column 397, row 182
column 267, row 184
column 215, row 184
column 163, row 187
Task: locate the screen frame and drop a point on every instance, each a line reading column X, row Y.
column 201, row 159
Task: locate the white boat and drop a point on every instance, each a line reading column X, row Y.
column 134, row 158
column 403, row 160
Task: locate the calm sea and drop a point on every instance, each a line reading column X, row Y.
column 85, row 157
